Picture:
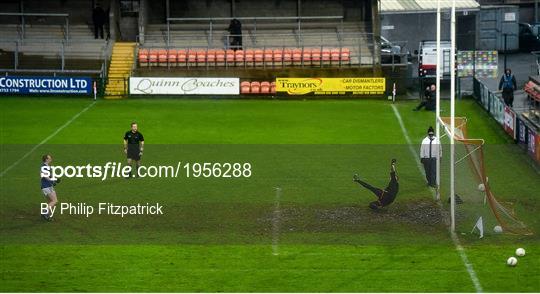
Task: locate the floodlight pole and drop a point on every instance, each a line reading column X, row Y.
column 438, row 98
column 452, row 113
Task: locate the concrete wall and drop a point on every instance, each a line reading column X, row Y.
column 409, row 29
column 492, row 25
column 412, row 28
column 80, row 11
column 266, row 8
column 352, row 10
column 526, row 14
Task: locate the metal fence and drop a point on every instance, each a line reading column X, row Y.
column 23, row 21
column 250, row 23
column 59, row 52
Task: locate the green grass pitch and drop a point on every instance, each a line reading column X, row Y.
column 237, row 235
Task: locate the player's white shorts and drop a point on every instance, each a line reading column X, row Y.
column 47, row 191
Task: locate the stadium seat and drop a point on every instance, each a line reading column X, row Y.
column 335, row 55
column 259, row 57
column 172, row 57
column 268, row 57
column 297, row 56
column 345, row 55
column 152, row 57
column 245, row 87
column 229, row 57
column 278, row 56
column 143, row 57
column 265, row 87
column 273, row 87
column 239, row 57
column 211, row 57
column 191, row 57
column 306, row 57
column 248, row 56
column 325, row 56
column 287, row 56
column 255, row 87
column 220, row 57
column 181, row 58
column 316, row 56
column 201, row 57
column 162, row 57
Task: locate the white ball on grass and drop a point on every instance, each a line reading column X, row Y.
column 520, row 252
column 497, row 229
column 512, row 261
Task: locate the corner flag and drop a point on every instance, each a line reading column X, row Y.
column 480, row 225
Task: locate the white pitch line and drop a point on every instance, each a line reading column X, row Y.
column 275, row 223
column 454, row 237
column 46, row 139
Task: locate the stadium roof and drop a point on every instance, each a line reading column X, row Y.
column 423, row 6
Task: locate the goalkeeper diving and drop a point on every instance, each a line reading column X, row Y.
column 384, row 196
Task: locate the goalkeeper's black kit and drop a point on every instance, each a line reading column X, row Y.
column 386, row 196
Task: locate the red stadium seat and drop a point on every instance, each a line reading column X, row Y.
column 162, row 57
column 265, row 87
column 153, row 57
column 325, row 56
column 143, row 57
column 335, row 55
column 297, row 56
column 345, row 55
column 306, row 57
column 220, row 57
column 239, row 57
column 268, row 56
column 211, row 58
column 192, row 57
column 172, row 57
column 201, row 57
column 248, row 56
column 245, row 87
column 273, row 87
column 287, row 56
column 181, row 57
column 259, row 57
column 229, row 57
column 255, row 87
column 278, row 56
column 316, row 56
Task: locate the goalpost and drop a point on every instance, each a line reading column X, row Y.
column 475, row 198
column 452, row 103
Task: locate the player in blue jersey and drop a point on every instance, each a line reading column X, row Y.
column 47, row 185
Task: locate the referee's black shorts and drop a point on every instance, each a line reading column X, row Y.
column 134, row 154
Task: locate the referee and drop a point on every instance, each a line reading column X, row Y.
column 429, row 151
column 133, row 147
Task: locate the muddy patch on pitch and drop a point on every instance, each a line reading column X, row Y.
column 355, row 218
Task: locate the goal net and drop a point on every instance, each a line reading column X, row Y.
column 474, row 197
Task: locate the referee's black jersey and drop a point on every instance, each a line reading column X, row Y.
column 133, row 139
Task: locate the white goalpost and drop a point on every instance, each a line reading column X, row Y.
column 476, row 198
column 452, row 104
